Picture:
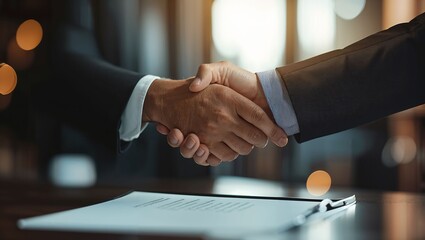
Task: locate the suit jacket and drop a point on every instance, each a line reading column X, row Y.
column 89, row 91
column 372, row 78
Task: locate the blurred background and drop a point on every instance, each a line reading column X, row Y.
column 171, row 38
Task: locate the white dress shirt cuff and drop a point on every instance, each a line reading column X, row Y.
column 279, row 101
column 131, row 119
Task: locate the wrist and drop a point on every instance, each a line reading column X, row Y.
column 153, row 105
column 161, row 99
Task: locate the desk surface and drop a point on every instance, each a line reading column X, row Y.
column 377, row 215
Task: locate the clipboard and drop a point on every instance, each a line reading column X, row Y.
column 212, row 216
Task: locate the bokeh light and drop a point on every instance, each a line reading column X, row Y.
column 8, row 79
column 349, row 9
column 29, row 34
column 73, row 170
column 318, row 183
column 399, row 150
column 250, row 33
column 316, row 27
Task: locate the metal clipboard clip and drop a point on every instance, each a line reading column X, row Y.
column 326, row 205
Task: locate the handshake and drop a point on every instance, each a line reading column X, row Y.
column 214, row 117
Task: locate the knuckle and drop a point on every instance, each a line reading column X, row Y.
column 223, row 118
column 246, row 150
column 171, row 144
column 275, row 133
column 200, row 161
column 211, row 127
column 257, row 114
column 257, row 137
column 184, row 153
column 242, row 147
column 197, row 159
column 218, row 117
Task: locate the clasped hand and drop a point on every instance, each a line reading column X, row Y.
column 216, row 116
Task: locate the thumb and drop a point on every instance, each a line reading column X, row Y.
column 202, row 80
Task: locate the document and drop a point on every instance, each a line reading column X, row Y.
column 163, row 213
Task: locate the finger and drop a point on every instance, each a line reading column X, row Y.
column 238, row 145
column 203, row 78
column 201, row 155
column 175, row 138
column 205, row 164
column 162, row 129
column 257, row 117
column 223, row 152
column 250, row 133
column 213, row 160
column 189, row 146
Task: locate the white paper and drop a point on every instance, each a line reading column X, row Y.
column 145, row 212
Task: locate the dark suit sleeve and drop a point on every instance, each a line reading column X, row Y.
column 87, row 91
column 375, row 77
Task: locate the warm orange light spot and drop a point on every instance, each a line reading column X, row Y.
column 318, row 183
column 29, row 34
column 7, row 79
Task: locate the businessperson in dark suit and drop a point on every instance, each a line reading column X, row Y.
column 370, row 79
column 114, row 104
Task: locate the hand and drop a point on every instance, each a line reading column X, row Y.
column 227, row 74
column 190, row 147
column 225, row 121
column 238, row 79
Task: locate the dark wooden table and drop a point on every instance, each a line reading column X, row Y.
column 377, row 215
